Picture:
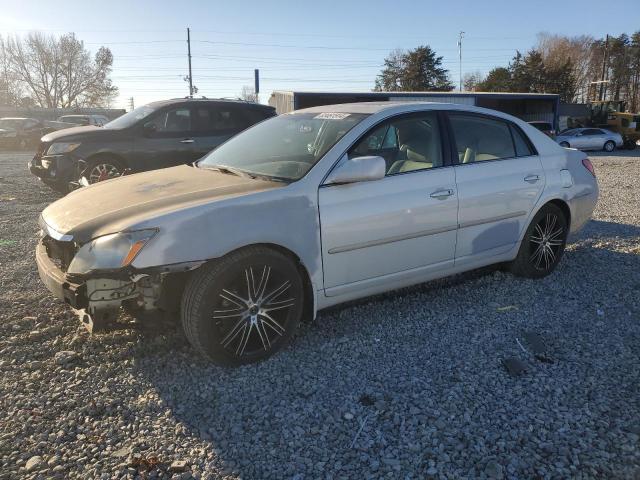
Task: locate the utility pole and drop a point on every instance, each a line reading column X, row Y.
column 189, row 53
column 132, row 105
column 604, row 68
column 461, row 34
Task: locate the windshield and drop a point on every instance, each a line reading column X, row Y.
column 284, row 147
column 130, row 118
column 10, row 122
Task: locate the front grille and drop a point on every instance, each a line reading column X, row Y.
column 60, row 253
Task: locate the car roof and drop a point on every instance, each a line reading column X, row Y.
column 17, row 118
column 173, row 101
column 397, row 107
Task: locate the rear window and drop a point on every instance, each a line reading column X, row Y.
column 221, row 118
column 481, row 138
column 523, row 147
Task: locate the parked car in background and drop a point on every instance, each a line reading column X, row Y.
column 83, row 120
column 590, row 139
column 544, row 127
column 311, row 209
column 159, row 135
column 21, row 132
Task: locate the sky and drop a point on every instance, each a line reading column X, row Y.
column 300, row 45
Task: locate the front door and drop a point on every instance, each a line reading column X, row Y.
column 167, row 139
column 401, row 225
column 499, row 179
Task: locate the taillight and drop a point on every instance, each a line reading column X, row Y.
column 589, row 166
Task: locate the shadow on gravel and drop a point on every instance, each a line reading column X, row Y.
column 403, row 382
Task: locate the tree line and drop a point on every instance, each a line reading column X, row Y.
column 572, row 67
column 54, row 72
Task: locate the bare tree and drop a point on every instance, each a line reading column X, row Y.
column 59, row 72
column 248, row 94
column 557, row 50
column 10, row 91
column 471, row 81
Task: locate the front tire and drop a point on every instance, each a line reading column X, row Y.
column 103, row 168
column 543, row 244
column 609, row 146
column 244, row 307
column 564, row 144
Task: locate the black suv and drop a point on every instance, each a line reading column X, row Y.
column 158, row 135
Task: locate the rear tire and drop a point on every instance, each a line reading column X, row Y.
column 542, row 245
column 244, row 307
column 609, row 146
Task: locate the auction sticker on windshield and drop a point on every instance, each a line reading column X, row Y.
column 331, row 116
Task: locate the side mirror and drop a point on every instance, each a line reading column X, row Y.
column 359, row 169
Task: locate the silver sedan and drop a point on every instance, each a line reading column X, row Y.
column 590, row 139
column 311, row 209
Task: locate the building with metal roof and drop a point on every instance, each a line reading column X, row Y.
column 527, row 106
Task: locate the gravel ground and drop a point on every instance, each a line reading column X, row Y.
column 403, row 385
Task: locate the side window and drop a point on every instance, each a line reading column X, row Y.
column 481, row 138
column 523, row 148
column 172, row 121
column 220, row 119
column 407, row 143
column 592, row 131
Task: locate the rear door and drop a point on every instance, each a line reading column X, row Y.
column 595, row 138
column 499, row 179
column 166, row 139
column 216, row 123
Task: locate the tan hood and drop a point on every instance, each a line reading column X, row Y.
column 114, row 205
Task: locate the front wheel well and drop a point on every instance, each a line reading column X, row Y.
column 104, row 155
column 309, row 308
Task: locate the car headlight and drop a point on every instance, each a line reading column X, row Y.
column 110, row 252
column 62, row 147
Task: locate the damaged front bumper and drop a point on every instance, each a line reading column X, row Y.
column 97, row 299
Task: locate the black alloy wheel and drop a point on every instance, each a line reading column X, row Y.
column 543, row 243
column 245, row 307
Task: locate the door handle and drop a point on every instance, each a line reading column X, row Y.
column 187, row 140
column 532, row 178
column 442, row 194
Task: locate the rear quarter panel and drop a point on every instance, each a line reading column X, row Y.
column 581, row 194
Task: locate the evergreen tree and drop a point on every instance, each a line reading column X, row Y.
column 416, row 70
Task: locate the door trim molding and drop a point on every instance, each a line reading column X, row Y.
column 492, row 219
column 397, row 238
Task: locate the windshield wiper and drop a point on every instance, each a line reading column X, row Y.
column 225, row 169
column 243, row 173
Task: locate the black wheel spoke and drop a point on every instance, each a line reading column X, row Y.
column 546, row 240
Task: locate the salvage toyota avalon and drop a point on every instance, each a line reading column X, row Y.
column 311, row 209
